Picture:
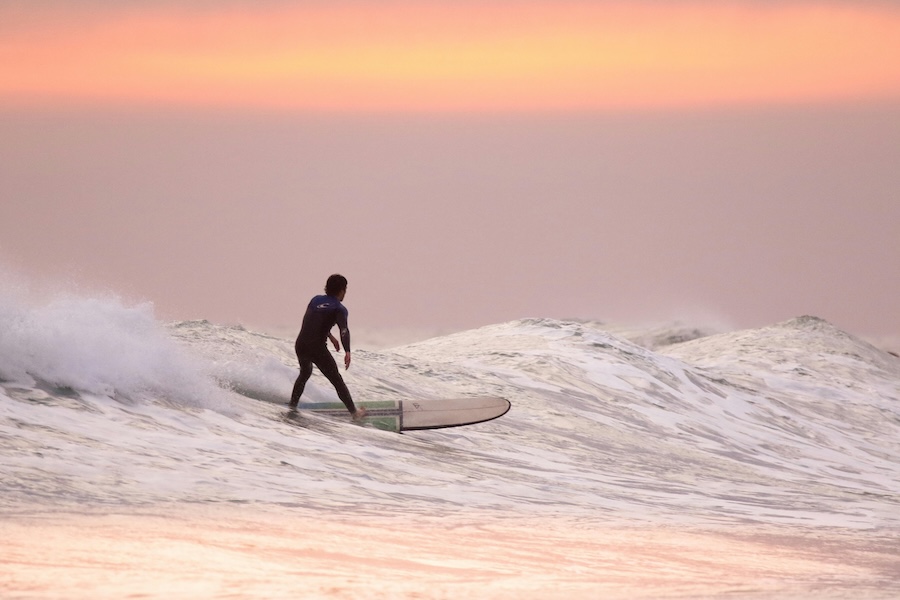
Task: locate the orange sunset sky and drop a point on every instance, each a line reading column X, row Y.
column 457, row 56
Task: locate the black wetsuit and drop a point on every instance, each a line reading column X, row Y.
column 323, row 313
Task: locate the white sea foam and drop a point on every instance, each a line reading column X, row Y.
column 97, row 345
column 796, row 425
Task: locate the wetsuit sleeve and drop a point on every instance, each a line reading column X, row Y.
column 345, row 331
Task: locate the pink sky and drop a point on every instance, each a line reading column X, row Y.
column 462, row 163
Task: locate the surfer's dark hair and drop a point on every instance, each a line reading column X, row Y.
column 335, row 284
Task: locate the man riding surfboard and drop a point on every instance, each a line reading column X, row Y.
column 323, row 313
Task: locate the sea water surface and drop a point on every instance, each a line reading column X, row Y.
column 662, row 462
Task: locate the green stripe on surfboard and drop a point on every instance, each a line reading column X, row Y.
column 381, row 414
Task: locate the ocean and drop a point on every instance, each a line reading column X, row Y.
column 667, row 461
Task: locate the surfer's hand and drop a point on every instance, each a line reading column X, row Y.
column 347, row 360
column 334, row 340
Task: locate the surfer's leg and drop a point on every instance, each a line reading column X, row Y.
column 329, row 369
column 300, row 384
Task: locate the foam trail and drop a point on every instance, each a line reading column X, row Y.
column 98, row 345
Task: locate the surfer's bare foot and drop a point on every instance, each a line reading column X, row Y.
column 360, row 413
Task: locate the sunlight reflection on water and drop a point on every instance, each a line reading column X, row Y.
column 251, row 553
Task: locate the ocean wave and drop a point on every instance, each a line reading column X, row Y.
column 799, row 422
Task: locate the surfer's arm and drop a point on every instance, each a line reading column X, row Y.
column 334, row 340
column 345, row 336
column 341, row 322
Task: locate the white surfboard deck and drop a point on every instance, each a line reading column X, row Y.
column 411, row 415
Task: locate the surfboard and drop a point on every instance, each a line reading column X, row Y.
column 411, row 415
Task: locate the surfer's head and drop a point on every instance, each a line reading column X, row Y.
column 335, row 285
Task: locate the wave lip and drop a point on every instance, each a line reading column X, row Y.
column 98, row 345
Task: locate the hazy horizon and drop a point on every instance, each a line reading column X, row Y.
column 461, row 164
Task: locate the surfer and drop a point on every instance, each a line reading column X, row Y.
column 323, row 313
